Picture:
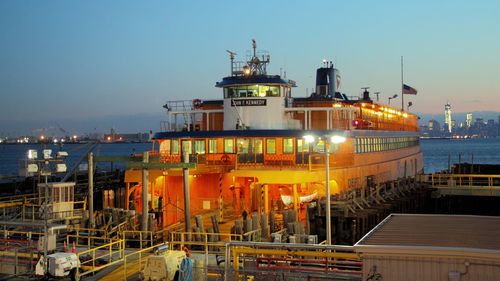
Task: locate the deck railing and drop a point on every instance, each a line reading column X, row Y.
column 470, row 184
column 271, row 258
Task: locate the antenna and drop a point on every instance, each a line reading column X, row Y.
column 231, row 54
column 254, row 46
column 231, row 57
column 377, row 93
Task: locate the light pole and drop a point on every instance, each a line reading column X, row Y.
column 409, row 105
column 393, row 97
column 327, row 191
column 44, row 168
column 336, row 139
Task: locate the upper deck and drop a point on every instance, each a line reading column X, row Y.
column 304, row 114
column 254, row 100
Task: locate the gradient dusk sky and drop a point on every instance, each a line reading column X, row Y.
column 67, row 61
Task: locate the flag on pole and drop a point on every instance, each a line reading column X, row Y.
column 407, row 90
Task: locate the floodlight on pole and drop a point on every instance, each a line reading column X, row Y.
column 336, row 139
column 393, row 97
column 309, row 138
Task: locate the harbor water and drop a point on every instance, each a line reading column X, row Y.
column 11, row 154
column 437, row 153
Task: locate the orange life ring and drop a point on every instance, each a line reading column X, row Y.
column 224, row 158
column 196, row 103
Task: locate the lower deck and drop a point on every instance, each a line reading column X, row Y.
column 257, row 187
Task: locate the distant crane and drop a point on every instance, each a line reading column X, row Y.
column 66, row 134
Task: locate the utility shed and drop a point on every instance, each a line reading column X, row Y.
column 432, row 247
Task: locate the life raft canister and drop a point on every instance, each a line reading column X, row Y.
column 196, row 103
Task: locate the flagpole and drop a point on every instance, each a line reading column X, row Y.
column 402, row 92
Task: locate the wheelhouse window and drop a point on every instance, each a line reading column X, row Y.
column 212, row 146
column 271, row 146
column 199, row 146
column 252, row 91
column 269, row 91
column 228, row 146
column 288, row 146
column 286, row 92
column 175, row 147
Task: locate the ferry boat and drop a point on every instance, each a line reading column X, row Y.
column 258, row 148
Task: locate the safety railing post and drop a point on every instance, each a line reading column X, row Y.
column 140, row 240
column 140, row 259
column 125, row 268
column 206, row 257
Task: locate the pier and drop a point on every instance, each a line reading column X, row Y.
column 261, row 245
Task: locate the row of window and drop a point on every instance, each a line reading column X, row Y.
column 255, row 91
column 375, row 144
column 257, row 145
column 229, row 145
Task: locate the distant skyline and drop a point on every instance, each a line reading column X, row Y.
column 80, row 62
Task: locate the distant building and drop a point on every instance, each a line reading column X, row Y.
column 434, row 128
column 479, row 122
column 138, row 137
column 447, row 117
column 468, row 120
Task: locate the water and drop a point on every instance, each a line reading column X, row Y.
column 435, row 151
column 481, row 151
column 11, row 154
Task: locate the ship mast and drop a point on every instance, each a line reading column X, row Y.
column 232, row 55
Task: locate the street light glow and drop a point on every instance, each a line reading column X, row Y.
column 309, row 138
column 337, row 139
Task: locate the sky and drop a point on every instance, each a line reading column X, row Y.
column 96, row 65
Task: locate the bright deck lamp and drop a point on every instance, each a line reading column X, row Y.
column 309, row 138
column 336, row 139
column 32, row 154
column 47, row 154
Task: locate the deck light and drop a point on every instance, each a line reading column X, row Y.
column 32, row 154
column 337, row 139
column 62, row 154
column 246, row 70
column 47, row 154
column 309, row 138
